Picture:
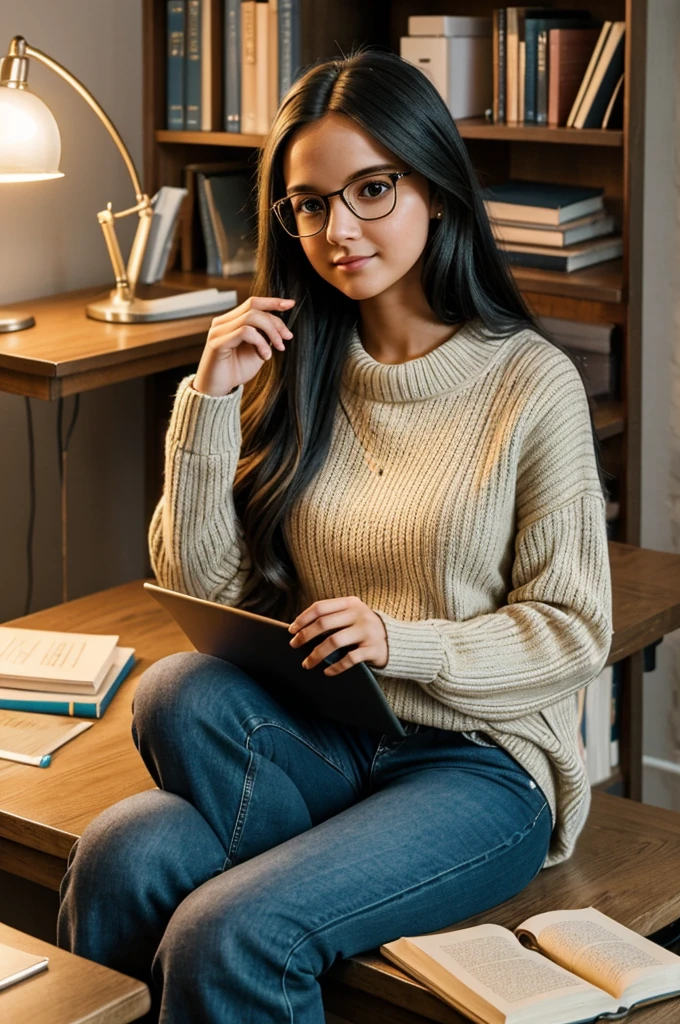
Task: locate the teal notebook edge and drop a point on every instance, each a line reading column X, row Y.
column 94, row 707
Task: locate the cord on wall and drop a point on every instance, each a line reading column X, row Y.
column 62, row 453
column 31, row 507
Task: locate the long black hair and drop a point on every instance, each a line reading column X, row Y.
column 289, row 406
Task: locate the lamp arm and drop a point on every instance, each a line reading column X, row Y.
column 126, row 279
column 53, row 65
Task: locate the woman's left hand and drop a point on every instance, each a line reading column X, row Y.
column 353, row 622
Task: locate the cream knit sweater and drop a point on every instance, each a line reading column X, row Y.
column 459, row 500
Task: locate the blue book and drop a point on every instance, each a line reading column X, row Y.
column 72, row 703
column 289, row 44
column 175, row 64
column 232, row 65
column 192, row 67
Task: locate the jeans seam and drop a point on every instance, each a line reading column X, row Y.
column 324, row 757
column 513, row 840
column 246, row 792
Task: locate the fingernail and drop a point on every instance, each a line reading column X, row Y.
column 289, row 334
column 304, row 663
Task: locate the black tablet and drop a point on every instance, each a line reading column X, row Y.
column 261, row 648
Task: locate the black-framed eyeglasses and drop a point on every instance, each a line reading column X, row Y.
column 369, row 197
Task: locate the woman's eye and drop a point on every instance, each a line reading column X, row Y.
column 374, row 189
column 309, row 206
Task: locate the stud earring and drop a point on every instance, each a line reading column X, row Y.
column 440, row 215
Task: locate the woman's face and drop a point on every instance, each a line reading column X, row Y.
column 324, row 156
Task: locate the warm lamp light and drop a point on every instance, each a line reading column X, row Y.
column 30, row 149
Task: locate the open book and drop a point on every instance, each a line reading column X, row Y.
column 580, row 965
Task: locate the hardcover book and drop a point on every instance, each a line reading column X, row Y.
column 565, row 967
column 540, row 202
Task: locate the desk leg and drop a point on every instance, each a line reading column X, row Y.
column 631, row 726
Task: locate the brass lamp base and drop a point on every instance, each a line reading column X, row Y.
column 117, row 310
column 12, row 321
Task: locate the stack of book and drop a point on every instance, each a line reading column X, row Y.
column 595, row 348
column 551, row 227
column 60, row 673
column 557, row 68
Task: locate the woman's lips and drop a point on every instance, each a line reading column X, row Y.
column 354, row 265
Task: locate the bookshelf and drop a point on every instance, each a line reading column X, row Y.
column 606, row 293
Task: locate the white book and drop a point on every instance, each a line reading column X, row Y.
column 459, row 68
column 561, row 967
column 248, row 68
column 166, row 206
column 447, row 25
column 32, row 738
column 17, row 964
column 36, row 659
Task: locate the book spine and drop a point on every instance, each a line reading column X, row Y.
column 232, row 78
column 289, row 44
column 542, row 72
column 192, row 86
column 212, row 258
column 248, row 68
column 502, row 69
column 175, row 65
column 531, row 35
column 554, row 61
column 537, row 261
column 262, row 121
column 43, row 707
column 273, row 62
column 511, row 64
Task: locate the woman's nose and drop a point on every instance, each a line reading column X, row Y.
column 342, row 223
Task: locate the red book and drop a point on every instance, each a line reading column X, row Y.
column 570, row 50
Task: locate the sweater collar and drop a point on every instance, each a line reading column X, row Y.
column 448, row 367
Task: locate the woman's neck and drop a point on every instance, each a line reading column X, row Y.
column 399, row 325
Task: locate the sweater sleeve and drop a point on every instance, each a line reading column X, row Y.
column 196, row 542
column 553, row 634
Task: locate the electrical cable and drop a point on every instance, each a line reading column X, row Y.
column 31, row 507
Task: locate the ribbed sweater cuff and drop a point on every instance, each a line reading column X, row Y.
column 203, row 424
column 414, row 650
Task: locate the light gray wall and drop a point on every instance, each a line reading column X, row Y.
column 51, row 242
column 661, row 339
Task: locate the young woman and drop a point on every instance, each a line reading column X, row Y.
column 410, row 470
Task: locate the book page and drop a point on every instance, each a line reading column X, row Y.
column 35, row 654
column 490, row 961
column 36, row 735
column 598, row 948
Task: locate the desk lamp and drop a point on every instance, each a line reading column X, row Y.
column 30, row 149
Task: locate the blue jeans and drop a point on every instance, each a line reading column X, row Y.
column 276, row 844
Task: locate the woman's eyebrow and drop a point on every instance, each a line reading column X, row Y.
column 355, row 174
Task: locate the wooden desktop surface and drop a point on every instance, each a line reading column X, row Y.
column 44, row 810
column 71, row 991
column 67, row 352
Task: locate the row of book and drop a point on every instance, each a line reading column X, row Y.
column 229, row 62
column 600, row 708
column 547, row 226
column 557, row 68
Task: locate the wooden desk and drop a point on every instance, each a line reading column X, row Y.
column 66, row 352
column 70, row 991
column 43, row 812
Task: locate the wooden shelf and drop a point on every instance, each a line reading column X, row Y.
column 602, row 282
column 479, row 128
column 210, row 138
column 469, row 128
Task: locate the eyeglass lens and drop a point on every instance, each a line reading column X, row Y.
column 369, row 198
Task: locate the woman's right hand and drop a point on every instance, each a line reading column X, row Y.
column 239, row 343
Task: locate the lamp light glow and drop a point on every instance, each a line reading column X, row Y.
column 30, row 144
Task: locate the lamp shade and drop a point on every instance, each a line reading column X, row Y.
column 30, row 144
